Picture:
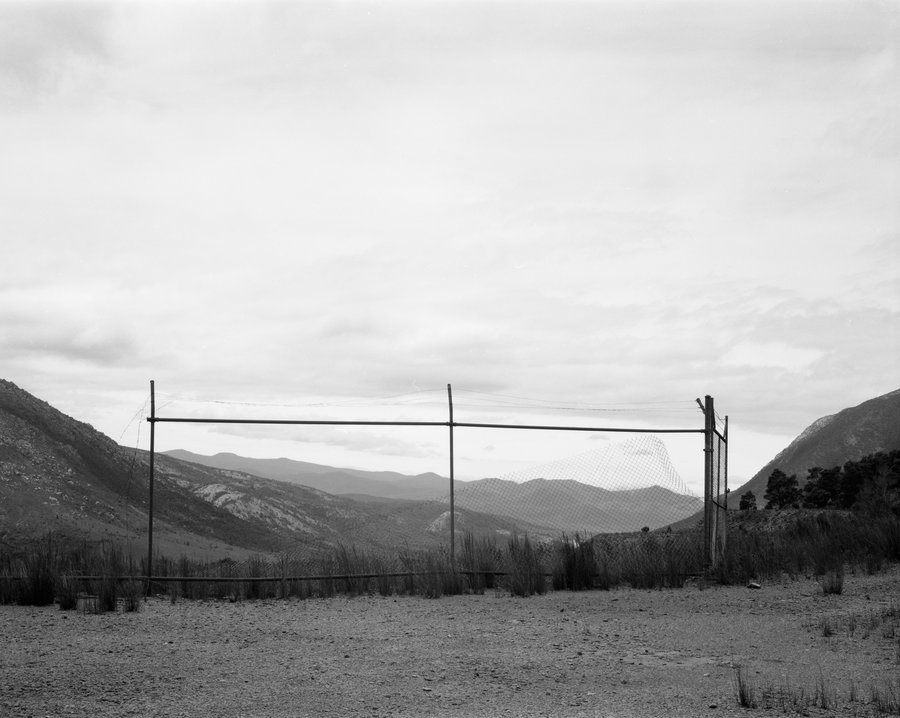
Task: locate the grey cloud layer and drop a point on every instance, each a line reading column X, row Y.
column 576, row 201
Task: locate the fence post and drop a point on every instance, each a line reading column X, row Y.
column 152, row 421
column 452, row 507
column 709, row 515
column 723, row 527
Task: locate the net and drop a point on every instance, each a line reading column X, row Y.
column 615, row 489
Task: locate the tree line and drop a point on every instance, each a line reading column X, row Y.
column 871, row 484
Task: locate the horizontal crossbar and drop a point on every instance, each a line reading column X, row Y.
column 316, row 422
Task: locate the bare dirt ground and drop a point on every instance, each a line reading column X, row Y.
column 617, row 653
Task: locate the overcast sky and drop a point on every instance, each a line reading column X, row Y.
column 603, row 209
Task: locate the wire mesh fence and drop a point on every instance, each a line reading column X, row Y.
column 599, row 516
column 716, row 521
column 615, row 490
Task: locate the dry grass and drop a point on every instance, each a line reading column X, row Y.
column 822, row 544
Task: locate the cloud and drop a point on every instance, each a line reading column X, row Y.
column 374, row 441
column 63, row 322
column 771, row 354
column 584, row 203
column 45, row 45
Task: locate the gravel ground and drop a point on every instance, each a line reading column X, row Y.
column 617, row 653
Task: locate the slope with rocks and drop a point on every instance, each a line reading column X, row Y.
column 833, row 440
column 60, row 474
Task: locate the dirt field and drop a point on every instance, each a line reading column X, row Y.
column 617, row 653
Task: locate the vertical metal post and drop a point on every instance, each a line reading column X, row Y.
column 152, row 421
column 709, row 515
column 724, row 528
column 452, row 506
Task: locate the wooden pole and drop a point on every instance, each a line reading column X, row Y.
column 152, row 421
column 452, row 505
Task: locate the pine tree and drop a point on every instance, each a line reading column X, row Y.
column 748, row 502
column 782, row 491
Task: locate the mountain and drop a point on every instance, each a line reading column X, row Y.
column 558, row 505
column 59, row 474
column 356, row 482
column 831, row 441
column 570, row 506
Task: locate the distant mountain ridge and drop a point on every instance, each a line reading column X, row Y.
column 382, row 484
column 558, row 504
column 832, row 440
column 570, row 506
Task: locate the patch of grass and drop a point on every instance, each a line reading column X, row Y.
column 803, row 542
column 480, row 558
column 851, row 624
column 575, row 564
column 351, row 563
column 822, row 544
column 833, row 582
column 524, row 573
column 788, row 698
column 825, row 695
column 107, row 594
column 36, row 577
column 385, row 583
column 67, row 588
column 132, row 593
column 886, row 697
column 433, row 574
column 745, row 689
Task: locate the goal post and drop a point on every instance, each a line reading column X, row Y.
column 715, row 486
column 715, row 461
